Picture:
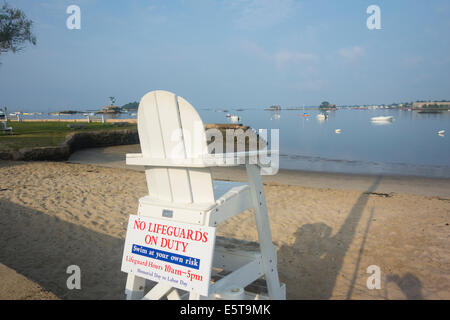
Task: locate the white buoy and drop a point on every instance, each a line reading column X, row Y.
column 275, row 117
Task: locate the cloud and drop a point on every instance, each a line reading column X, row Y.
column 261, row 14
column 281, row 58
column 293, row 57
column 311, row 85
column 255, row 50
column 442, row 8
column 351, row 53
column 410, row 62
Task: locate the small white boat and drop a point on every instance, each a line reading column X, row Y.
column 321, row 117
column 228, row 115
column 383, row 119
column 441, row 133
column 276, row 116
column 337, row 131
column 234, row 118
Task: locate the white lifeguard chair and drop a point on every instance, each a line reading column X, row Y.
column 179, row 178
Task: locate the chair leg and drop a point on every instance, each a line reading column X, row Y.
column 158, row 291
column 268, row 251
column 194, row 296
column 135, row 287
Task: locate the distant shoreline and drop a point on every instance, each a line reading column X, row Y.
column 73, row 120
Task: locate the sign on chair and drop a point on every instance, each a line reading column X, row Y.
column 177, row 254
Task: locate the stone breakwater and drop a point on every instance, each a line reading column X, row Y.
column 97, row 139
column 74, row 141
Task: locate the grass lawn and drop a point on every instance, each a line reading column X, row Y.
column 44, row 134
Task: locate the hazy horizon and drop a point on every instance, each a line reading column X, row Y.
column 229, row 54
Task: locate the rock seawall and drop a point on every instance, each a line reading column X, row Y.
column 74, row 141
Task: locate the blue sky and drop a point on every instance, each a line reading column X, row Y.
column 243, row 53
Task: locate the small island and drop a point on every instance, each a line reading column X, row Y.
column 327, row 106
column 64, row 112
column 111, row 109
column 132, row 106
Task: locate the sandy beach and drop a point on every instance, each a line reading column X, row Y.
column 54, row 215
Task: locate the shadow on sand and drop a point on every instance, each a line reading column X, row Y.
column 409, row 284
column 41, row 247
column 317, row 256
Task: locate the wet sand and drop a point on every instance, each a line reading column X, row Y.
column 114, row 157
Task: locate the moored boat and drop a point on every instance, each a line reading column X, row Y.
column 388, row 118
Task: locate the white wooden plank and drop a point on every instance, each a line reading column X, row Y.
column 152, row 146
column 242, row 277
column 170, row 123
column 201, row 185
column 183, row 215
column 193, row 130
column 195, row 145
column 149, row 129
column 268, row 251
column 173, row 295
column 157, row 292
column 158, row 183
column 232, row 203
column 134, row 288
column 180, row 185
column 173, row 140
column 214, row 160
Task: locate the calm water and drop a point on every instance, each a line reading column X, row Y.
column 409, row 145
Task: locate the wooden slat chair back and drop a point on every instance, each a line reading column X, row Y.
column 169, row 127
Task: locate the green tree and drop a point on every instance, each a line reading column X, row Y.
column 131, row 105
column 324, row 104
column 15, row 29
column 112, row 100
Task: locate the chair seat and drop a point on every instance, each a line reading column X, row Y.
column 230, row 198
column 221, row 187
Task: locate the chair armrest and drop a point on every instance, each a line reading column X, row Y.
column 137, row 159
column 209, row 160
